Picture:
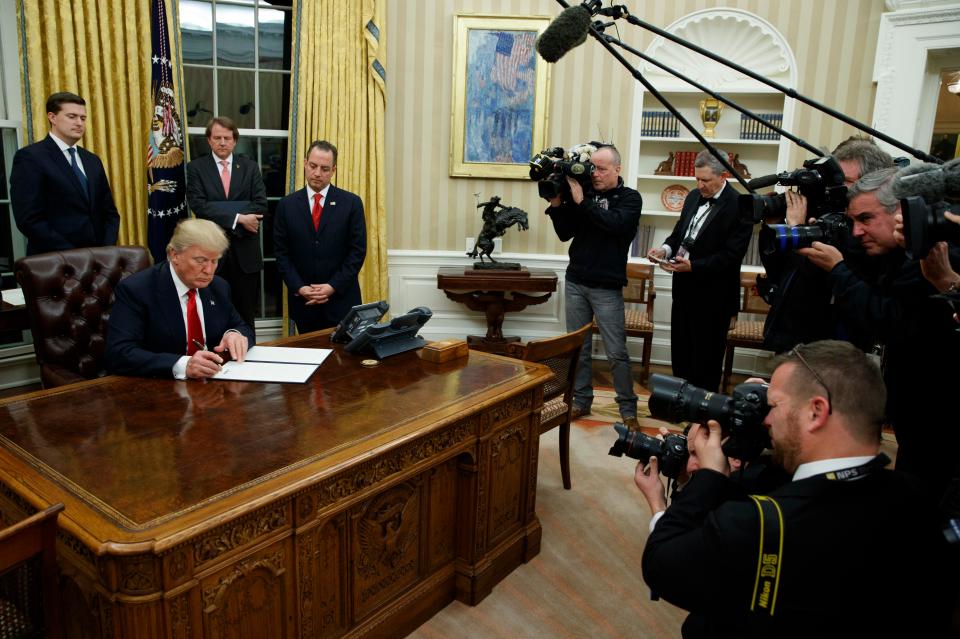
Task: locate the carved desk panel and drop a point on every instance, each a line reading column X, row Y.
column 360, row 502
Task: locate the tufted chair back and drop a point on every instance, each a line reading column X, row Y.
column 68, row 295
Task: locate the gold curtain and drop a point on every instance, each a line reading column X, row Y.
column 339, row 95
column 100, row 50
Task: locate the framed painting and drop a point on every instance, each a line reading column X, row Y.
column 500, row 88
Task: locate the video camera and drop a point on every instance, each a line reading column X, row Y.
column 675, row 400
column 821, row 182
column 550, row 169
column 926, row 192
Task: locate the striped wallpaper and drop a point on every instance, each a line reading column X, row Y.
column 591, row 97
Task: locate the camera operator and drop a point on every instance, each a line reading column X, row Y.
column 816, row 556
column 894, row 301
column 798, row 292
column 602, row 227
column 708, row 244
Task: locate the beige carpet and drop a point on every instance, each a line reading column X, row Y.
column 586, row 581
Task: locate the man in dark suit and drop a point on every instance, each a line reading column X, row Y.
column 222, row 177
column 704, row 252
column 320, row 241
column 59, row 192
column 165, row 318
column 819, row 554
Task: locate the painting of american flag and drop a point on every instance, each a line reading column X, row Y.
column 501, row 70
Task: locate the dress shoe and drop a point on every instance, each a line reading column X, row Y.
column 577, row 412
column 631, row 423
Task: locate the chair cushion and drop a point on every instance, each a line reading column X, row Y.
column 750, row 330
column 553, row 409
column 637, row 320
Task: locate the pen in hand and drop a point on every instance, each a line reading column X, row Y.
column 225, row 355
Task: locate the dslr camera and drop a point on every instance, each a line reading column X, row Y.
column 550, row 169
column 675, row 400
column 821, row 182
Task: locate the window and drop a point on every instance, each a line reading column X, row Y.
column 236, row 63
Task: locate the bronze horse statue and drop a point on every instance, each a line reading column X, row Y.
column 497, row 218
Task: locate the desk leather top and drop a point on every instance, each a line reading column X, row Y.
column 141, row 451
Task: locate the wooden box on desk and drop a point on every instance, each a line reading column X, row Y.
column 444, row 351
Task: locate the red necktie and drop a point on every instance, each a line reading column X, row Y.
column 317, row 210
column 194, row 329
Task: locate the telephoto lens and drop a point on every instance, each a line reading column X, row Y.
column 671, row 451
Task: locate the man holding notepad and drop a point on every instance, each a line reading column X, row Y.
column 228, row 189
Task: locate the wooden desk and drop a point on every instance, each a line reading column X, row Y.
column 486, row 290
column 360, row 502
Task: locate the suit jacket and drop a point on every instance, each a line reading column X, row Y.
column 51, row 207
column 716, row 254
column 332, row 254
column 146, row 335
column 246, row 184
column 848, row 547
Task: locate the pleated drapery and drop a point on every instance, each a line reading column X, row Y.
column 338, row 95
column 98, row 49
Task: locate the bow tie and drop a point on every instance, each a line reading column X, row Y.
column 707, row 200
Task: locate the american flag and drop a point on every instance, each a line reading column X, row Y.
column 514, row 51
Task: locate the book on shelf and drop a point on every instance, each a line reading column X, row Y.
column 642, row 241
column 750, row 129
column 659, row 124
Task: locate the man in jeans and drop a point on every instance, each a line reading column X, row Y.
column 602, row 226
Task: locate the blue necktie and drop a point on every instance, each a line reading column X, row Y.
column 76, row 169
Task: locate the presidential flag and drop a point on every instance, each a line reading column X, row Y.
column 166, row 183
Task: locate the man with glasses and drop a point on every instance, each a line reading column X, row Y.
column 175, row 319
column 817, row 555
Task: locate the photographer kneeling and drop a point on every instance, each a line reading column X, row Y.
column 819, row 555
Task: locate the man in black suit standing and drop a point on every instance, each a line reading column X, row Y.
column 175, row 319
column 229, row 191
column 704, row 253
column 320, row 240
column 59, row 192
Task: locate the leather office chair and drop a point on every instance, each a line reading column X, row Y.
column 560, row 354
column 638, row 298
column 29, row 592
column 68, row 295
column 747, row 333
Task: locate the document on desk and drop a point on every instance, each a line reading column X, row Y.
column 275, row 364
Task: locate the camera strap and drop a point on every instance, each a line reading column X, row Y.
column 770, row 554
column 767, row 581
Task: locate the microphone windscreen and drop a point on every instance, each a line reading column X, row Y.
column 921, row 180
column 567, row 31
column 763, row 181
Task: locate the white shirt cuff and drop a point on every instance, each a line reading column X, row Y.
column 656, row 517
column 666, row 247
column 180, row 368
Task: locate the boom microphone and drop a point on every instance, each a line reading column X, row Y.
column 567, row 31
column 763, row 181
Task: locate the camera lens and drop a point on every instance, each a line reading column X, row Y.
column 675, row 400
column 791, row 238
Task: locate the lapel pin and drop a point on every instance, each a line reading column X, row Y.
column 333, row 204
